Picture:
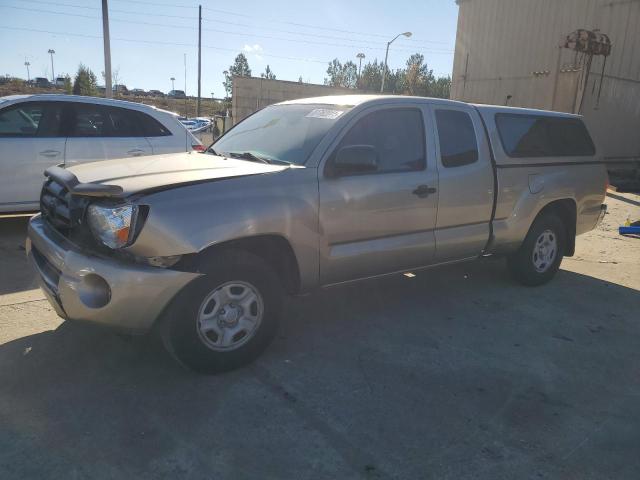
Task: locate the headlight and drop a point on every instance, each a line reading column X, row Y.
column 113, row 225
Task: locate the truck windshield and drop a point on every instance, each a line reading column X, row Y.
column 280, row 133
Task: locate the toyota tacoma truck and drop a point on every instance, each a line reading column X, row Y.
column 203, row 247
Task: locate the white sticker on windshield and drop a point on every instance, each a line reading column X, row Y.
column 324, row 113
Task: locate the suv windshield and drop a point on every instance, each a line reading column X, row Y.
column 280, row 133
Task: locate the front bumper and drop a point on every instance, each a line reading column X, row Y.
column 89, row 288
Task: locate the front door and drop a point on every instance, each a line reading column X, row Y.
column 381, row 221
column 30, row 142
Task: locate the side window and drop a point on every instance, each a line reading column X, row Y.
column 87, row 120
column 397, row 135
column 457, row 138
column 543, row 136
column 124, row 123
column 22, row 120
column 152, row 127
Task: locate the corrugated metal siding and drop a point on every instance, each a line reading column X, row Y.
column 506, row 41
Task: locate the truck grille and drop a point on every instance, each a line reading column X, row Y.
column 55, row 205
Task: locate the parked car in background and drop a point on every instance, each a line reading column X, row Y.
column 138, row 92
column 156, row 93
column 60, row 82
column 121, row 89
column 41, row 82
column 304, row 194
column 176, row 94
column 38, row 131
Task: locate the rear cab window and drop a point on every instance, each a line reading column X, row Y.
column 457, row 138
column 526, row 135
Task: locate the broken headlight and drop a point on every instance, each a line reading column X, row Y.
column 113, row 225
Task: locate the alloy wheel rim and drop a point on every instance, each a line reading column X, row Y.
column 545, row 251
column 230, row 315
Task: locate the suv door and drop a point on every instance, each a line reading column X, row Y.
column 100, row 132
column 380, row 221
column 465, row 182
column 30, row 142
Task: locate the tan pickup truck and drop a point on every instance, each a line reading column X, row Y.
column 305, row 194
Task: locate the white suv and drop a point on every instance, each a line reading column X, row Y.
column 38, row 131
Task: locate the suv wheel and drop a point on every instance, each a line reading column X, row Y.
column 538, row 258
column 226, row 318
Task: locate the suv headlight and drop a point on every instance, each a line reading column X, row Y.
column 113, row 225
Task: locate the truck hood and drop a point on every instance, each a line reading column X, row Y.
column 136, row 174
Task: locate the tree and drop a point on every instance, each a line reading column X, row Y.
column 240, row 68
column 85, row 82
column 68, row 86
column 442, row 87
column 268, row 74
column 342, row 75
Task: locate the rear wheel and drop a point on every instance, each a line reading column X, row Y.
column 538, row 258
column 226, row 318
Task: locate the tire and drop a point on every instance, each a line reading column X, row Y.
column 538, row 258
column 195, row 342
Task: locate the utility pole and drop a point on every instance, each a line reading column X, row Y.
column 51, row 51
column 360, row 56
column 26, row 64
column 173, row 83
column 213, row 106
column 108, row 88
column 199, row 57
column 185, row 85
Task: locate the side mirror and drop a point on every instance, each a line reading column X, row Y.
column 355, row 159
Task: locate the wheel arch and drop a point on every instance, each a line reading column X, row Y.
column 566, row 210
column 274, row 249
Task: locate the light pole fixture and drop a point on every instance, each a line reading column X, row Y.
column 173, row 83
column 51, row 51
column 360, row 56
column 26, row 64
column 386, row 56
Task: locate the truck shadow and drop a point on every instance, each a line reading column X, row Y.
column 453, row 353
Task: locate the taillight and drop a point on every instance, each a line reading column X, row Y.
column 198, row 147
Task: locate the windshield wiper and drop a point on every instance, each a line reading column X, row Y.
column 248, row 156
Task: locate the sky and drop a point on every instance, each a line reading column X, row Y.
column 149, row 38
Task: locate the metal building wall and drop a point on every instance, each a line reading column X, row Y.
column 511, row 47
column 252, row 93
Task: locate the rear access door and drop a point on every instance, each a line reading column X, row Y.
column 466, row 183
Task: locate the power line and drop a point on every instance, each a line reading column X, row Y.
column 227, row 12
column 114, row 10
column 225, row 21
column 159, row 42
column 227, row 32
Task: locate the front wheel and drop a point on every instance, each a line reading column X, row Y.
column 538, row 258
column 226, row 318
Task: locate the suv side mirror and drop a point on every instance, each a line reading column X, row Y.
column 354, row 159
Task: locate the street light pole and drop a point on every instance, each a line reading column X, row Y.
column 386, row 56
column 51, row 51
column 173, row 83
column 26, row 64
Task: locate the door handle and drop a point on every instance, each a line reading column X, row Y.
column 50, row 153
column 136, row 152
column 423, row 191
